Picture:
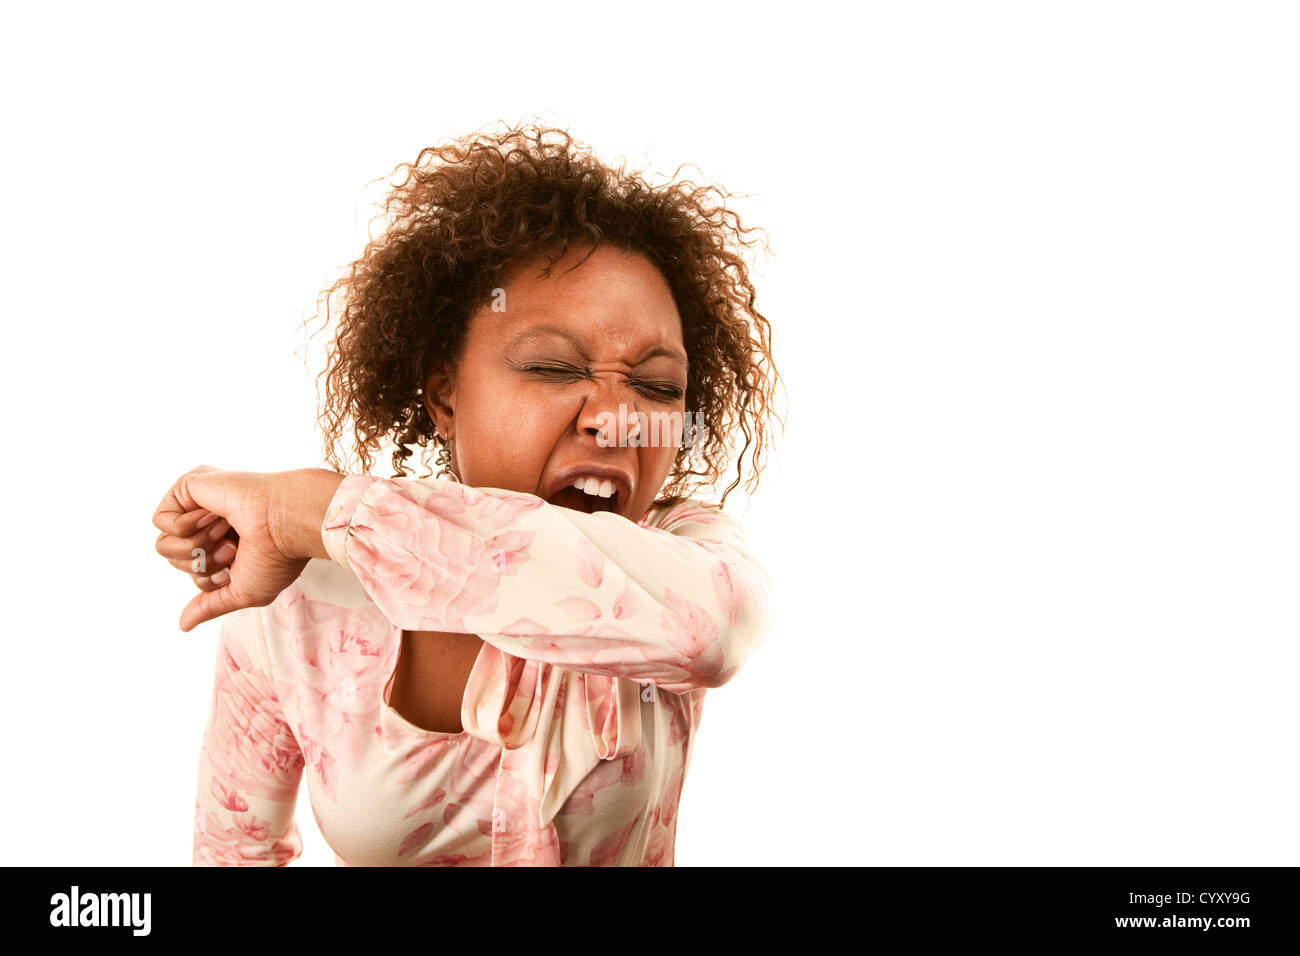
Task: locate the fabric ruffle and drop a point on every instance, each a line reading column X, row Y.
column 556, row 725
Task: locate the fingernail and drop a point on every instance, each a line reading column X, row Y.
column 217, row 530
column 224, row 553
column 221, row 577
column 206, row 520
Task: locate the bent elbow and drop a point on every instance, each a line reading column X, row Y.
column 733, row 643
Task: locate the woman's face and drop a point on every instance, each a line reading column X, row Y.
column 540, row 383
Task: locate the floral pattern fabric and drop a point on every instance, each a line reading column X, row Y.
column 601, row 637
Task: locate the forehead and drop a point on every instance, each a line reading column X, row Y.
column 615, row 302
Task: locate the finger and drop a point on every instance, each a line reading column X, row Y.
column 210, row 582
column 197, row 569
column 171, row 546
column 179, row 501
column 199, row 565
column 205, row 554
column 175, row 506
column 208, row 605
column 201, row 517
column 207, row 561
column 187, row 523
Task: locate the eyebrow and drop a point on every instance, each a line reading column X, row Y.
column 534, row 331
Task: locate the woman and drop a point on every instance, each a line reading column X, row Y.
column 504, row 664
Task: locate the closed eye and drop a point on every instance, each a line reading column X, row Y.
column 665, row 390
column 668, row 391
column 568, row 372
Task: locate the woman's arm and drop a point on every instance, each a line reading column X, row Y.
column 249, row 764
column 682, row 604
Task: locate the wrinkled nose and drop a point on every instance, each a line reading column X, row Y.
column 610, row 406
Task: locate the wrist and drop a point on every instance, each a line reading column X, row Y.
column 299, row 501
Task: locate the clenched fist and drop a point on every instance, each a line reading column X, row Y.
column 230, row 531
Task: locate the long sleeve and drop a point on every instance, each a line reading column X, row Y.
column 678, row 599
column 250, row 764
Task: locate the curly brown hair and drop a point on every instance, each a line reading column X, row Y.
column 466, row 214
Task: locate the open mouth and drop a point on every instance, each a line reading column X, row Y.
column 577, row 500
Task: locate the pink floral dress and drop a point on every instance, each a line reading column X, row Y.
column 600, row 638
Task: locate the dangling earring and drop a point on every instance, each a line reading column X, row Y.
column 444, row 460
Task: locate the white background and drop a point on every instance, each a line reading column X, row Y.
column 1033, row 521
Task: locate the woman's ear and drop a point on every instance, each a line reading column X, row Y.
column 440, row 401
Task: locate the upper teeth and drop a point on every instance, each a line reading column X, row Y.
column 595, row 486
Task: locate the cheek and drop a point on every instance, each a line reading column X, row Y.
column 507, row 436
column 500, row 421
column 654, row 464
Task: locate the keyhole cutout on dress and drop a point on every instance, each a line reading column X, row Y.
column 427, row 686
